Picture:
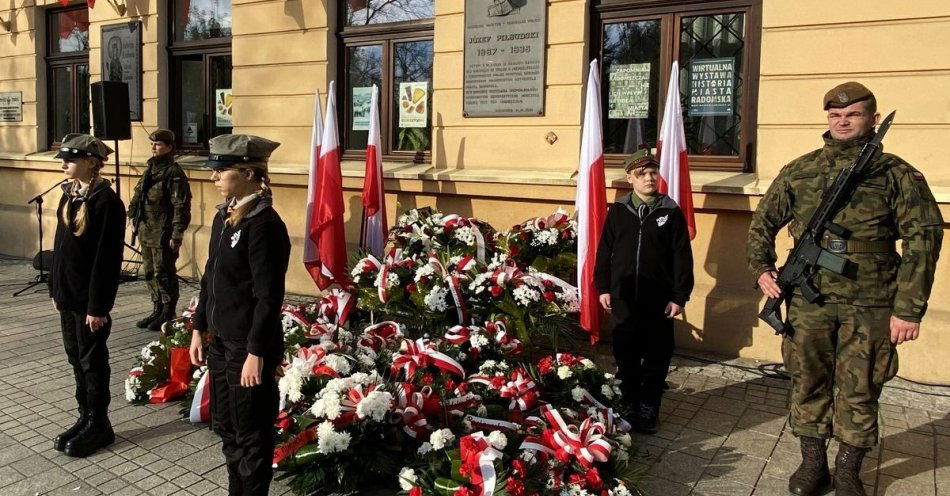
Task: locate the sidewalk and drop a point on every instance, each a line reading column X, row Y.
column 723, row 433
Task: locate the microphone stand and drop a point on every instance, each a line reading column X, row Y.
column 43, row 277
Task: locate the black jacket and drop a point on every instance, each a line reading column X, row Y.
column 242, row 289
column 645, row 262
column 85, row 274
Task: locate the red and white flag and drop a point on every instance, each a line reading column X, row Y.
column 326, row 229
column 375, row 229
column 671, row 149
column 200, row 411
column 590, row 205
column 311, row 256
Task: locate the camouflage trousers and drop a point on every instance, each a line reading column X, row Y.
column 158, row 264
column 839, row 357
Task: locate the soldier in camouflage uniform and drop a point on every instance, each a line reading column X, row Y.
column 842, row 349
column 160, row 211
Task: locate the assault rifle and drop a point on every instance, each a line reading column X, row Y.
column 138, row 208
column 808, row 255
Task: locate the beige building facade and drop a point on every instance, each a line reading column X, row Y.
column 261, row 61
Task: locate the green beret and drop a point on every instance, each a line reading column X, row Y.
column 230, row 150
column 845, row 94
column 82, row 145
column 641, row 158
column 164, row 135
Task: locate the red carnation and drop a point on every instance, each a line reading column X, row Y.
column 415, row 491
column 546, row 365
column 575, row 478
column 549, row 296
column 515, row 486
column 427, row 379
column 547, row 283
column 495, row 291
column 519, row 467
column 463, row 491
column 450, row 384
column 593, row 479
column 497, row 382
column 411, row 288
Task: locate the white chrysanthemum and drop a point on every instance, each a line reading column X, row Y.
column 441, row 438
column 424, row 271
column 609, row 376
column 435, row 300
column 466, row 235
column 289, row 385
column 487, row 365
column 357, row 270
column 578, row 394
column 132, row 385
column 498, row 260
column 478, row 283
column 478, row 340
column 338, row 363
column 288, row 323
column 424, row 448
column 574, row 490
column 620, row 490
column 330, row 441
column 498, row 440
column 564, row 372
column 546, row 237
column 607, row 391
column 587, row 363
column 375, row 406
column 525, row 296
column 455, row 260
column 407, row 478
column 327, row 406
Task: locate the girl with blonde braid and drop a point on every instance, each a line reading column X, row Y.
column 83, row 282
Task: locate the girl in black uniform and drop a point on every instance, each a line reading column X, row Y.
column 241, row 295
column 83, row 282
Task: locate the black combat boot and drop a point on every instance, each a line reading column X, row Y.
column 812, row 476
column 95, row 434
column 848, row 470
column 167, row 313
column 156, row 312
column 647, row 419
column 59, row 444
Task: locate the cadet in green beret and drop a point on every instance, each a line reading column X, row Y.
column 160, row 211
column 84, row 279
column 644, row 276
column 843, row 348
column 242, row 291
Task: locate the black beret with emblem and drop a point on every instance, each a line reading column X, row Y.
column 164, row 135
column 231, row 150
column 82, row 145
column 845, row 94
column 640, row 159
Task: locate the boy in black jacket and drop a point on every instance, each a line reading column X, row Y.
column 644, row 275
column 83, row 283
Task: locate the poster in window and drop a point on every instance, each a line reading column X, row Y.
column 362, row 99
column 11, row 106
column 121, row 60
column 413, row 102
column 712, row 86
column 190, row 134
column 629, row 96
column 222, row 108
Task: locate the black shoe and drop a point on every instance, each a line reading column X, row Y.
column 156, row 312
column 812, row 477
column 156, row 324
column 848, row 470
column 647, row 419
column 59, row 444
column 95, row 434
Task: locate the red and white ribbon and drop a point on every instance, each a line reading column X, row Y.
column 507, row 342
column 484, row 455
column 492, row 424
column 606, row 415
column 296, row 315
column 458, row 334
column 408, row 410
column 415, row 354
column 521, row 390
column 192, row 305
column 587, row 442
column 336, row 306
column 201, row 404
column 454, row 284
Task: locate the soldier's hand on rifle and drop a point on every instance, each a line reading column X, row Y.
column 902, row 330
column 605, row 301
column 175, row 244
column 767, row 284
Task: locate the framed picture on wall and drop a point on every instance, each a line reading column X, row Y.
column 121, row 59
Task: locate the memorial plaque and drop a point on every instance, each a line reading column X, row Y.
column 504, row 57
column 712, row 86
column 121, row 60
column 11, row 106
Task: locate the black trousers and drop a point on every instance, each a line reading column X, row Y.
column 643, row 348
column 243, row 417
column 88, row 353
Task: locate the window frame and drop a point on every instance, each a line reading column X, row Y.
column 387, row 36
column 670, row 15
column 60, row 60
column 207, row 49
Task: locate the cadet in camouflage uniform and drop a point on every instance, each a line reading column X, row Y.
column 842, row 349
column 160, row 211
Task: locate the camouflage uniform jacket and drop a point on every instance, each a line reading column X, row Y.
column 164, row 209
column 892, row 202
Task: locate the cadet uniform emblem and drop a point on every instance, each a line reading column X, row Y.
column 235, row 238
column 662, row 220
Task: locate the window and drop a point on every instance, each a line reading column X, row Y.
column 67, row 66
column 200, row 62
column 716, row 44
column 387, row 43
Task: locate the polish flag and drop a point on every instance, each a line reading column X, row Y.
column 326, row 229
column 671, row 149
column 590, row 205
column 311, row 256
column 374, row 230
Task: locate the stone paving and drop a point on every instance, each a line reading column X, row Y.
column 723, row 430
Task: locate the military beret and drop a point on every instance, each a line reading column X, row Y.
column 82, row 145
column 230, row 150
column 641, row 158
column 163, row 135
column 845, row 94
